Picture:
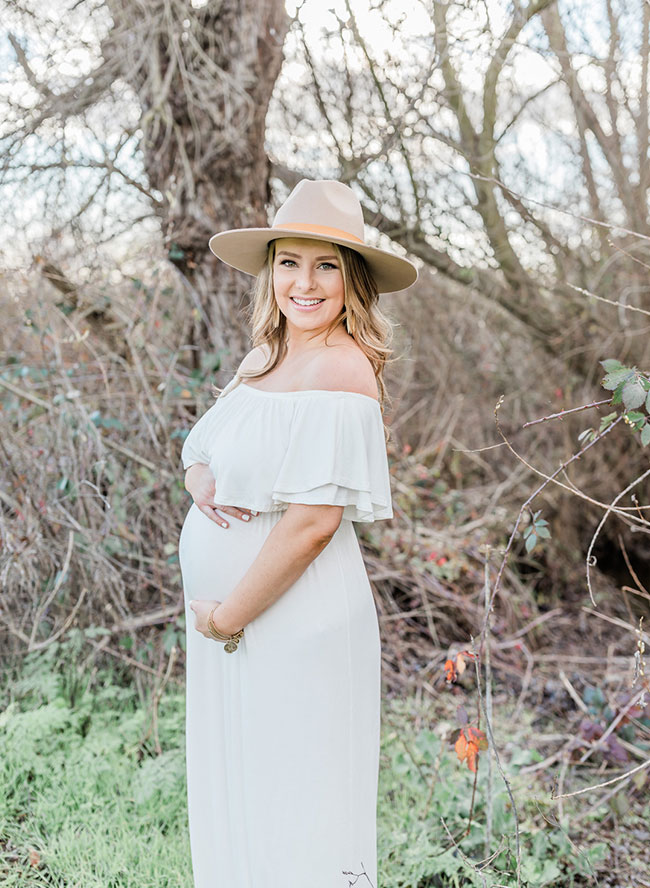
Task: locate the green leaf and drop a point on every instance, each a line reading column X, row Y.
column 606, row 420
column 531, row 542
column 175, row 253
column 633, row 394
column 645, row 434
column 611, row 364
column 594, row 697
column 617, row 397
column 544, row 533
column 647, row 403
column 613, row 380
column 528, row 530
column 180, row 433
column 211, row 361
column 169, row 638
column 635, row 416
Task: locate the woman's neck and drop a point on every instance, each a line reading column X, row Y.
column 299, row 342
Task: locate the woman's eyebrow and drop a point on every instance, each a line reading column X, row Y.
column 297, row 256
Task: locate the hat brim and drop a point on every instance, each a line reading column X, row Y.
column 246, row 250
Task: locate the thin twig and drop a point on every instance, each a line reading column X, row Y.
column 615, row 621
column 63, row 628
column 564, row 413
column 641, row 588
column 63, row 572
column 590, row 560
column 612, row 726
column 609, row 301
column 489, row 801
column 538, row 490
column 495, row 752
column 463, row 857
column 625, row 776
column 575, row 696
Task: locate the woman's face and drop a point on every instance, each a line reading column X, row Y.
column 308, row 282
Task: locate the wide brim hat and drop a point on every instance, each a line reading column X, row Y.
column 316, row 210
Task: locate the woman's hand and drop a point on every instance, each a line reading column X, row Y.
column 202, row 611
column 199, row 483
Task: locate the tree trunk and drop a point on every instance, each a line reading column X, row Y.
column 204, row 78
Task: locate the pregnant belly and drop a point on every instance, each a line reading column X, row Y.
column 213, row 559
column 329, row 604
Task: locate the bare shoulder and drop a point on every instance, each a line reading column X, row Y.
column 255, row 359
column 343, row 368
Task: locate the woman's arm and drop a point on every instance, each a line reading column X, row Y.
column 199, row 480
column 294, row 542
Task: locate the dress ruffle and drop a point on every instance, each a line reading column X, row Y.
column 315, row 447
column 337, row 456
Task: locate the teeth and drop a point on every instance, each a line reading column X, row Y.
column 306, row 301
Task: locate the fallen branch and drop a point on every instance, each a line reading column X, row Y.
column 615, row 621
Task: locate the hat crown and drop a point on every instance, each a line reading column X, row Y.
column 325, row 203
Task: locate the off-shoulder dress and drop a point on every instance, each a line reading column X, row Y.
column 283, row 734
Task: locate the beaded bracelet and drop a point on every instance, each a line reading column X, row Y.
column 231, row 640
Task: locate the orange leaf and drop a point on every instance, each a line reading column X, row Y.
column 34, row 857
column 476, row 736
column 470, row 741
column 472, row 754
column 450, row 671
column 461, row 747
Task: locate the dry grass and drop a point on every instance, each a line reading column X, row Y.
column 97, row 392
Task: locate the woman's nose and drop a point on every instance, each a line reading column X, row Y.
column 305, row 280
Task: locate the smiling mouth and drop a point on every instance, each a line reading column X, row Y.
column 306, row 302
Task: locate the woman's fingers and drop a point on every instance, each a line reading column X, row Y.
column 201, row 610
column 212, row 511
column 236, row 512
column 213, row 515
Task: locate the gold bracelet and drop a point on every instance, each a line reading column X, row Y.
column 231, row 640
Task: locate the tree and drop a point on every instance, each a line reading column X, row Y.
column 500, row 151
column 200, row 77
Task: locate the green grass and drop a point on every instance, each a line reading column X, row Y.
column 83, row 788
column 87, row 802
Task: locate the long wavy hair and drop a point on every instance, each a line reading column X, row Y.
column 363, row 318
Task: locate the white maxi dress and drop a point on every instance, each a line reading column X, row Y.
column 283, row 734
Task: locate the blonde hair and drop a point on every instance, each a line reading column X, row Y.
column 363, row 319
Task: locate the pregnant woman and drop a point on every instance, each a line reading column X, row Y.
column 283, row 650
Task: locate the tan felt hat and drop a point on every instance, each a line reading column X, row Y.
column 317, row 210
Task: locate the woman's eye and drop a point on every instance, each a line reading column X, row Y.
column 327, row 266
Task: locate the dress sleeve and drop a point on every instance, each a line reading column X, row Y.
column 337, row 456
column 193, row 450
